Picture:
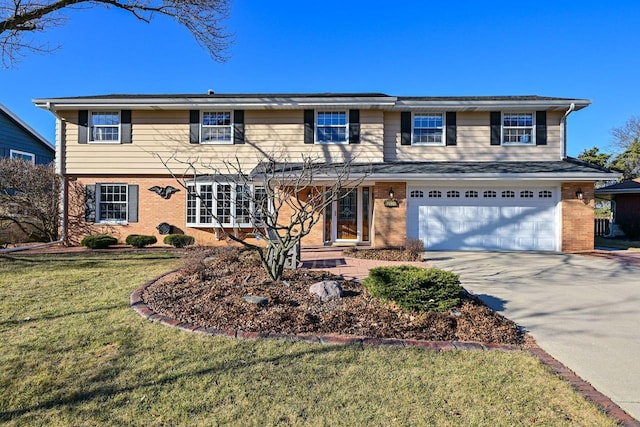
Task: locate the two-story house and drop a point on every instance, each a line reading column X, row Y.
column 19, row 141
column 464, row 173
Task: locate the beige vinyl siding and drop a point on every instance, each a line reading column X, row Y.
column 279, row 133
column 473, row 142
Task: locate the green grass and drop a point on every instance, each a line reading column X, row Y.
column 606, row 242
column 72, row 352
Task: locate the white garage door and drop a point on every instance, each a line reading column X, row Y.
column 483, row 218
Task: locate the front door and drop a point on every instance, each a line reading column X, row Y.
column 347, row 219
column 347, row 210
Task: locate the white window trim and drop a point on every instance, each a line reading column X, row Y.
column 22, row 153
column 99, row 220
column 442, row 143
column 346, row 125
column 214, row 223
column 202, row 126
column 90, row 139
column 518, row 144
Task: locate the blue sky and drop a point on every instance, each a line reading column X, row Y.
column 580, row 49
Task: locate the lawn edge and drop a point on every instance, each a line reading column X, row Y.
column 582, row 387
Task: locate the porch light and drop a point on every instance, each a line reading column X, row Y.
column 579, row 194
column 390, row 193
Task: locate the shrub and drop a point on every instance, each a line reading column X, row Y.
column 100, row 241
column 415, row 248
column 140, row 240
column 178, row 240
column 415, row 288
column 631, row 229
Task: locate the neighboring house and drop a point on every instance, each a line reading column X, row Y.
column 19, row 141
column 626, row 201
column 466, row 172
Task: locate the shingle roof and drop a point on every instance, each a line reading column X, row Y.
column 435, row 170
column 632, row 187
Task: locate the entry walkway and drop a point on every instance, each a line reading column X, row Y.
column 583, row 310
column 332, row 260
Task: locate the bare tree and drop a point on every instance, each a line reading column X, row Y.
column 280, row 201
column 20, row 20
column 29, row 198
column 625, row 135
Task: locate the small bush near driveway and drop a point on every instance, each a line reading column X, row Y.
column 415, row 288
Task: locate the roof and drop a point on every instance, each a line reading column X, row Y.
column 626, row 187
column 18, row 121
column 567, row 169
column 310, row 100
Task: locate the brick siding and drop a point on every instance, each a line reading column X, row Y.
column 577, row 217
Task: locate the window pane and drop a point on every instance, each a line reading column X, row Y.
column 113, row 202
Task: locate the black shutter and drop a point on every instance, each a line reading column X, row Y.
column 90, row 203
column 405, row 128
column 354, row 126
column 541, row 128
column 194, row 126
column 495, row 127
column 132, row 204
column 452, row 129
column 125, row 126
column 83, row 126
column 309, row 119
column 238, row 126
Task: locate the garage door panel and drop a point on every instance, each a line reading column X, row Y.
column 493, row 223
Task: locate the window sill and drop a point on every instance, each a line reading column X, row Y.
column 518, row 144
column 216, row 142
column 427, row 144
column 332, row 143
column 104, row 142
column 107, row 222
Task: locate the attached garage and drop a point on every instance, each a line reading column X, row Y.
column 484, row 218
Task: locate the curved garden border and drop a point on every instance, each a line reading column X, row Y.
column 578, row 384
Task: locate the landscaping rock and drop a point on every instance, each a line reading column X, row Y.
column 259, row 301
column 327, row 290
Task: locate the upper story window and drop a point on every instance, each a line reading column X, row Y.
column 27, row 157
column 428, row 129
column 332, row 127
column 104, row 126
column 216, row 127
column 518, row 129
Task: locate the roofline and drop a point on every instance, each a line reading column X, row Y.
column 603, row 191
column 301, row 101
column 26, row 127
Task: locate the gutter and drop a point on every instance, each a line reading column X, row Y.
column 563, row 131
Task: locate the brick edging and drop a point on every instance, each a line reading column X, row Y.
column 584, row 388
column 578, row 384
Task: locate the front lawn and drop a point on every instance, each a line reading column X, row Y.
column 72, row 352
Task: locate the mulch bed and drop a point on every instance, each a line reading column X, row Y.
column 208, row 292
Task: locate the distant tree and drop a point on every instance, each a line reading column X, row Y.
column 30, row 199
column 21, row 19
column 626, row 134
column 594, row 156
column 628, row 162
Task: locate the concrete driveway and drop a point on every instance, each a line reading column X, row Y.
column 584, row 311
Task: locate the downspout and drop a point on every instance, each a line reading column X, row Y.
column 563, row 131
